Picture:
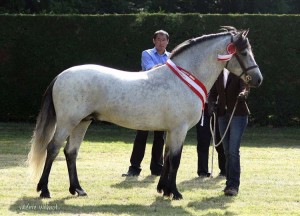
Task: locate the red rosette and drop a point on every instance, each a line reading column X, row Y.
column 231, row 49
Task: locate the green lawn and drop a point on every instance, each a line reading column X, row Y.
column 270, row 180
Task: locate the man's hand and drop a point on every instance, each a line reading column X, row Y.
column 212, row 108
column 243, row 96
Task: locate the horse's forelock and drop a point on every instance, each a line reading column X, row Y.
column 242, row 43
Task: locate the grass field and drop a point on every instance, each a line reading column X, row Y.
column 270, row 180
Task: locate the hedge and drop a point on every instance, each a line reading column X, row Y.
column 35, row 48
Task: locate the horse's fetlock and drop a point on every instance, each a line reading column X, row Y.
column 176, row 194
column 72, row 190
column 45, row 194
column 41, row 186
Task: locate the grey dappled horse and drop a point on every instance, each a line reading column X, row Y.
column 155, row 100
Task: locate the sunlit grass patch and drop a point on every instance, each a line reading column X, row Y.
column 270, row 179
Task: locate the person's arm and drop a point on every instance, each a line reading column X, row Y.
column 213, row 94
column 147, row 62
column 212, row 99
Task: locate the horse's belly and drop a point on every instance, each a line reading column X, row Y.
column 149, row 115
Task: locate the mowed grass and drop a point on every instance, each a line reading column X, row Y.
column 270, row 180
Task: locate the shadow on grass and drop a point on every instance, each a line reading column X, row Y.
column 213, row 203
column 132, row 182
column 196, row 183
column 38, row 206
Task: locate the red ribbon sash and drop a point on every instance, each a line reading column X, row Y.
column 195, row 85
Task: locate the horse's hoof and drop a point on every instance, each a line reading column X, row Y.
column 160, row 187
column 167, row 192
column 81, row 192
column 177, row 196
column 159, row 190
column 45, row 194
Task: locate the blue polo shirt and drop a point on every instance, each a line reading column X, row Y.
column 150, row 58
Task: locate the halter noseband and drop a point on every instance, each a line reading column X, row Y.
column 244, row 69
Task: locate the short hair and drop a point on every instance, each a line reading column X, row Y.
column 161, row 32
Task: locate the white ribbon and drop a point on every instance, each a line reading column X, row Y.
column 224, row 57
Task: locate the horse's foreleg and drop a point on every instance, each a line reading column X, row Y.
column 174, row 165
column 71, row 152
column 167, row 182
column 162, row 184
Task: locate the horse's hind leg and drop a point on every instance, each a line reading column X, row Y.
column 52, row 152
column 71, row 152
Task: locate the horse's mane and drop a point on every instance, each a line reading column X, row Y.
column 240, row 44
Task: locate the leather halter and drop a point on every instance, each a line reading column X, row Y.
column 244, row 69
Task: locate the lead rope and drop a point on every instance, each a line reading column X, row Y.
column 213, row 134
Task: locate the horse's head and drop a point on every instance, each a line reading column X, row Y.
column 243, row 63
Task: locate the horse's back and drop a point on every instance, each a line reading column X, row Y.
column 102, row 71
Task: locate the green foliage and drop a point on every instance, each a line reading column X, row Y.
column 152, row 6
column 34, row 49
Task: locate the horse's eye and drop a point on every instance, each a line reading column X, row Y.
column 244, row 53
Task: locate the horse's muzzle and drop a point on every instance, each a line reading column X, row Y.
column 254, row 78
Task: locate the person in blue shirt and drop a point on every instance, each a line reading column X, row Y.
column 150, row 58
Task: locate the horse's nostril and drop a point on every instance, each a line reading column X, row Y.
column 259, row 81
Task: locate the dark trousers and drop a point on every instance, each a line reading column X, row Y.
column 203, row 142
column 139, row 147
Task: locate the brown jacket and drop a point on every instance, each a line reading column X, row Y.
column 227, row 97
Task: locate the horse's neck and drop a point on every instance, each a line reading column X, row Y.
column 201, row 60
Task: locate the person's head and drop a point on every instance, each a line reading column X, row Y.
column 161, row 40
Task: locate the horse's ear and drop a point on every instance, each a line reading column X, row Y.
column 245, row 33
column 239, row 35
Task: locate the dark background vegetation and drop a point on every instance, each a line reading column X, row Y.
column 37, row 42
column 150, row 6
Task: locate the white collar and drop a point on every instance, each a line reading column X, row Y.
column 226, row 73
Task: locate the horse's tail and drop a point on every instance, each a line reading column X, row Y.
column 42, row 134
